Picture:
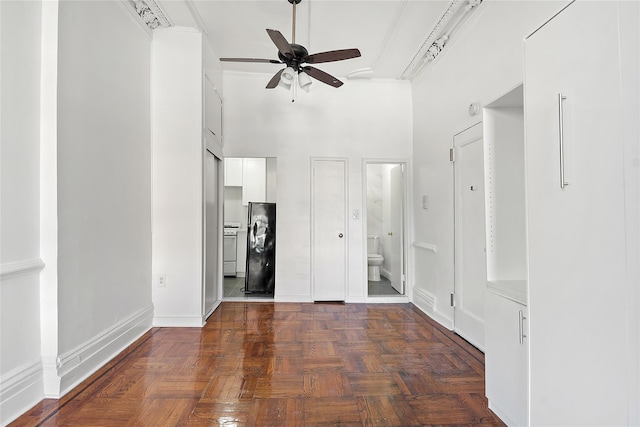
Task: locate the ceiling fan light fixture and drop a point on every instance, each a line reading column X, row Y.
column 287, row 77
column 304, row 81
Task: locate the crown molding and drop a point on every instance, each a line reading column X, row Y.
column 151, row 14
column 450, row 20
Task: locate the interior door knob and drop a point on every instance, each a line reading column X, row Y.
column 341, row 235
column 390, row 233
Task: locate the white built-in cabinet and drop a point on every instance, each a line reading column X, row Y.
column 506, row 343
column 250, row 173
column 575, row 199
column 506, row 357
column 254, row 180
column 557, row 332
column 233, row 172
column 186, row 261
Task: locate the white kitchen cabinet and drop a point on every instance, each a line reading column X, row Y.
column 506, row 359
column 233, row 172
column 576, row 219
column 254, row 173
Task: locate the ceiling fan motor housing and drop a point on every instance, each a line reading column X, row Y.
column 300, row 52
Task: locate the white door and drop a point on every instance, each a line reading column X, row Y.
column 329, row 229
column 576, row 234
column 212, row 233
column 397, row 236
column 470, row 258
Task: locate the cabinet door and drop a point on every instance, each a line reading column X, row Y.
column 576, row 234
column 233, row 172
column 254, row 174
column 506, row 366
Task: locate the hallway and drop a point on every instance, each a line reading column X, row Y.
column 293, row 364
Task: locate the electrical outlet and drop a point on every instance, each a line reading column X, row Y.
column 162, row 280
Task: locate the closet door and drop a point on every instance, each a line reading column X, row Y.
column 576, row 224
column 329, row 229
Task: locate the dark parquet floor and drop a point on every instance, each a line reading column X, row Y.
column 285, row 364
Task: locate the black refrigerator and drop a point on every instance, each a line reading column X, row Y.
column 261, row 248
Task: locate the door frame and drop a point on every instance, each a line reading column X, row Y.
column 215, row 148
column 406, row 258
column 456, row 248
column 345, row 162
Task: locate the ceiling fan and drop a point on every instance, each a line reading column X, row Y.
column 296, row 57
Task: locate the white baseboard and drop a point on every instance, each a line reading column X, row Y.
column 501, row 415
column 206, row 316
column 292, row 298
column 426, row 302
column 178, row 321
column 76, row 365
column 20, row 390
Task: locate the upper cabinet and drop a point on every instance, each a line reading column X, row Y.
column 254, row 173
column 248, row 173
column 576, row 219
column 233, row 172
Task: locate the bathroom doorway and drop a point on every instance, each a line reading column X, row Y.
column 385, row 228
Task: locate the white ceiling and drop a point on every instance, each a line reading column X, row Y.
column 387, row 32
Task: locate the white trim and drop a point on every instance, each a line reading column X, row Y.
column 514, row 290
column 178, row 321
column 387, row 299
column 293, row 298
column 426, row 302
column 76, row 365
column 9, row 270
column 210, row 312
column 505, row 419
column 345, row 163
column 428, row 246
column 407, row 256
column 20, row 389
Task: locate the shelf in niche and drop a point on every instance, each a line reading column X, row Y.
column 514, row 290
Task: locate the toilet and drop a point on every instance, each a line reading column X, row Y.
column 374, row 259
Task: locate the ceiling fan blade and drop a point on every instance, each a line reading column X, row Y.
column 332, row 55
column 281, row 43
column 322, row 76
column 273, row 83
column 271, row 61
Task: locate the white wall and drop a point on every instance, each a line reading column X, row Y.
column 104, row 185
column 361, row 119
column 629, row 21
column 484, row 63
column 20, row 368
column 76, row 192
column 177, row 85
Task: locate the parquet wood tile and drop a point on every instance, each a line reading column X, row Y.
column 285, row 364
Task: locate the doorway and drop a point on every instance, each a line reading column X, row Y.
column 385, row 228
column 247, row 181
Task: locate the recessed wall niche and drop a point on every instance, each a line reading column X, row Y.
column 505, row 196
